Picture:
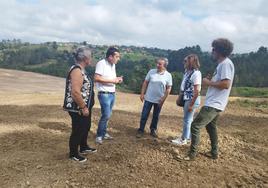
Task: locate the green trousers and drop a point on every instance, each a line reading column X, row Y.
column 207, row 117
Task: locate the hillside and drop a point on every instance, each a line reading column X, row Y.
column 34, row 133
column 28, row 82
column 54, row 58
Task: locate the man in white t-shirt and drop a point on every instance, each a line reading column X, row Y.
column 155, row 89
column 219, row 88
column 105, row 78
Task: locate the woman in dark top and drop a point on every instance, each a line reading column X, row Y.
column 78, row 101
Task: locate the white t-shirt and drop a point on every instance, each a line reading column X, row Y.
column 106, row 70
column 215, row 97
column 157, row 85
column 195, row 79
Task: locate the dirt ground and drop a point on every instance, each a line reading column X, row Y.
column 34, row 133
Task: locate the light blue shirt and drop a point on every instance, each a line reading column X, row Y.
column 157, row 85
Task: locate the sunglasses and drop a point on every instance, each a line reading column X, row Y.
column 188, row 58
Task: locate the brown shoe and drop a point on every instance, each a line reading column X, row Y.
column 211, row 156
column 190, row 157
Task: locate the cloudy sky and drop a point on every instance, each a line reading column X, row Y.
column 167, row 24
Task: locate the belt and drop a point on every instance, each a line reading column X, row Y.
column 105, row 92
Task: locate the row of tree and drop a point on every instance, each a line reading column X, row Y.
column 55, row 59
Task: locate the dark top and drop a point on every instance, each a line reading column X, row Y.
column 87, row 91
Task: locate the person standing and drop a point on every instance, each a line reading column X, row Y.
column 155, row 89
column 219, row 87
column 190, row 87
column 106, row 79
column 78, row 101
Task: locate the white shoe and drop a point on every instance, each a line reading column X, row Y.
column 107, row 137
column 99, row 140
column 179, row 141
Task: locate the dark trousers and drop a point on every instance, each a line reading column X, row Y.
column 145, row 113
column 80, row 128
column 207, row 117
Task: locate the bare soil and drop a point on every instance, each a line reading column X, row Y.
column 34, row 134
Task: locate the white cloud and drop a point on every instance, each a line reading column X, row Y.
column 170, row 24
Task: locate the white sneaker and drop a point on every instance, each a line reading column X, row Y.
column 107, row 137
column 99, row 140
column 179, row 141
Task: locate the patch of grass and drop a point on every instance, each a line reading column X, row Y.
column 137, row 56
column 41, row 65
column 251, row 103
column 250, row 92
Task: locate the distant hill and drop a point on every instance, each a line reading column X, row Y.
column 55, row 59
column 14, row 81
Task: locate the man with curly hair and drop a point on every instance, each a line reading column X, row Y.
column 219, row 87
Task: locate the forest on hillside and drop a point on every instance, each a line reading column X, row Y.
column 55, row 58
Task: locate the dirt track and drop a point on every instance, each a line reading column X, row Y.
column 34, row 147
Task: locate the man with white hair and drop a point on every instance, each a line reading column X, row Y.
column 155, row 89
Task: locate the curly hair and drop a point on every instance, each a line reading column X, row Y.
column 223, row 46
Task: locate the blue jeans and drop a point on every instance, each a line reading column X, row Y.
column 188, row 118
column 106, row 102
column 145, row 113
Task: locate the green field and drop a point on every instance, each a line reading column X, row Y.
column 250, row 92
